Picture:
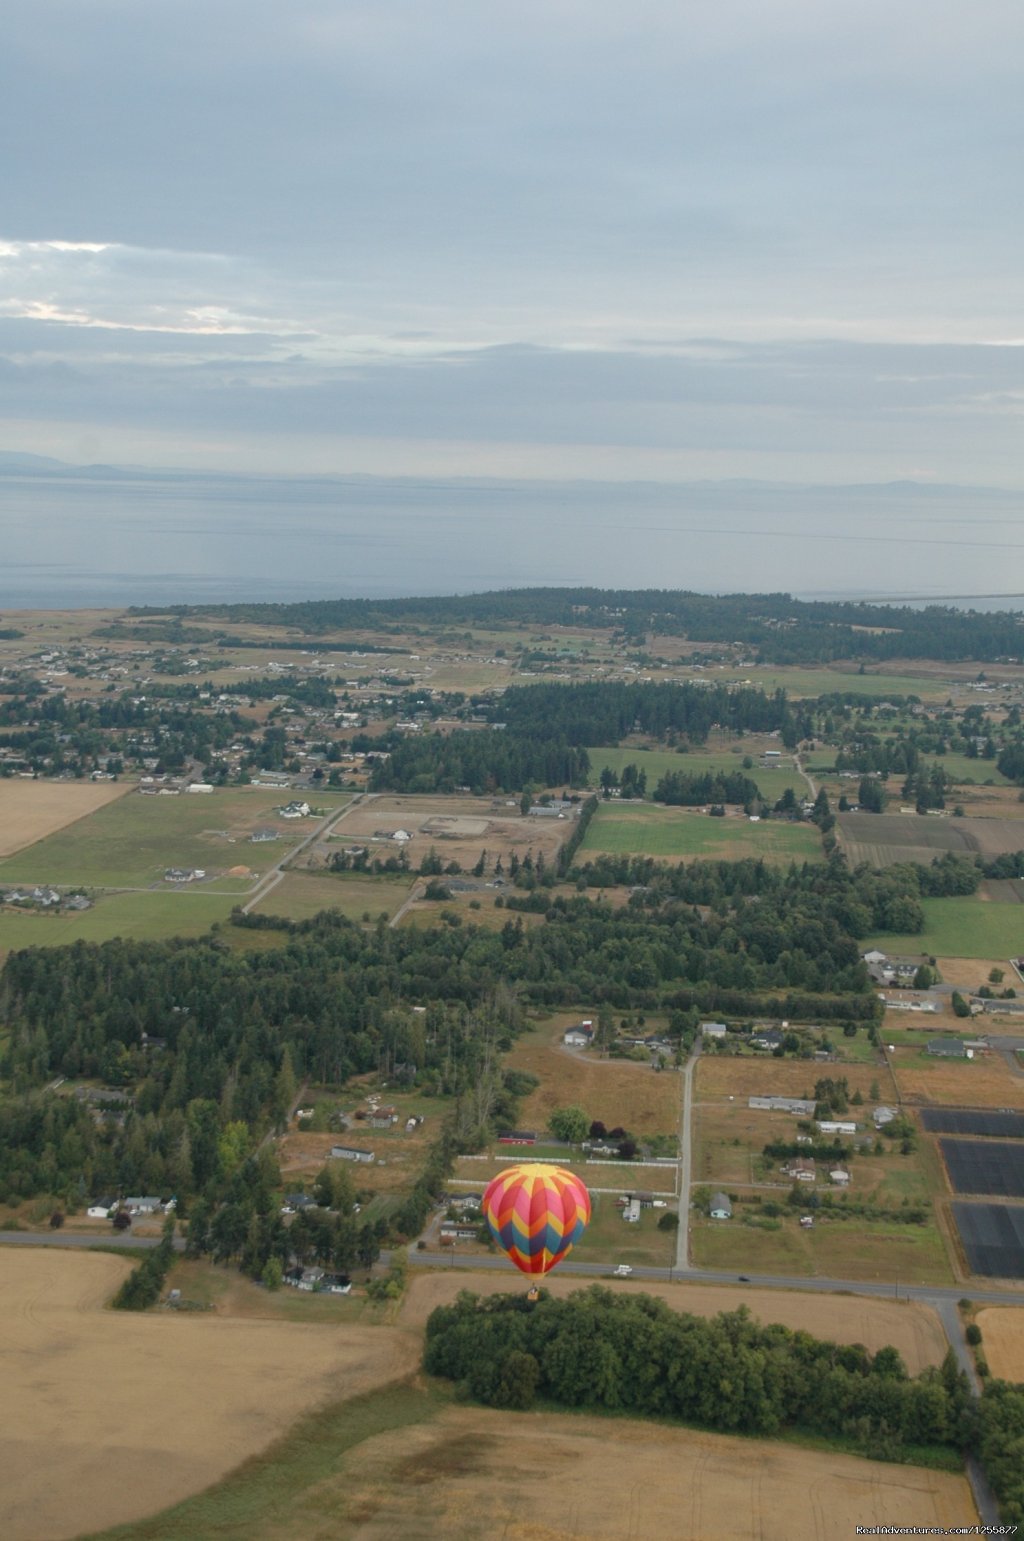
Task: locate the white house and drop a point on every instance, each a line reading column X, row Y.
column 840, row 1176
column 836, row 1126
column 579, row 1037
column 721, row 1209
column 713, row 1029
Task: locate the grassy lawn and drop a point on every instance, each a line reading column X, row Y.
column 143, row 917
column 658, row 762
column 961, row 928
column 610, row 1238
column 300, row 895
column 132, row 841
column 962, row 769
column 650, row 830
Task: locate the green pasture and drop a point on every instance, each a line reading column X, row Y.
column 651, row 830
column 142, row 917
column 960, row 928
column 963, row 770
column 803, row 683
column 132, row 841
column 659, row 762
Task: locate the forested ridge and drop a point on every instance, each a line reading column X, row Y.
column 774, row 627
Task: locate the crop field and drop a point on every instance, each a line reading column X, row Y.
column 407, row 1462
column 131, row 842
column 880, row 840
column 618, row 1092
column 659, row 762
column 177, row 1401
column 960, row 928
column 681, row 834
column 969, row 1121
column 986, row 1082
column 985, row 1166
column 800, row 683
column 299, row 895
column 143, row 917
column 992, row 1236
column 32, row 810
column 1002, row 1333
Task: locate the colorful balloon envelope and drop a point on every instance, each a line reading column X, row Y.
column 536, row 1214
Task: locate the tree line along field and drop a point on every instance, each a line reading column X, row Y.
column 881, row 840
column 729, row 757
column 678, row 834
column 131, row 842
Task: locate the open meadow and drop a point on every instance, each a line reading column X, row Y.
column 300, row 895
column 681, row 834
column 983, row 1082
column 107, row 1417
column 621, row 1093
column 32, row 810
column 856, row 1249
column 131, row 842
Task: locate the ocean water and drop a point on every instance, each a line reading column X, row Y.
column 104, row 537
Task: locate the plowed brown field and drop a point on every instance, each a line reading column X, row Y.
column 31, row 809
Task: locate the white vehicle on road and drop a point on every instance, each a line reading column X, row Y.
column 623, row 1271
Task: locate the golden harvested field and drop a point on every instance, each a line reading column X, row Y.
column 914, row 1330
column 477, row 1474
column 30, row 810
column 767, row 1077
column 971, row 973
column 618, row 1092
column 978, row 1083
column 399, row 1156
column 1002, row 1336
column 109, row 1416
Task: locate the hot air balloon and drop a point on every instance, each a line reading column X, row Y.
column 536, row 1214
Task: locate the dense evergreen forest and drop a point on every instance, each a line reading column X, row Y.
column 203, row 1038
column 774, row 627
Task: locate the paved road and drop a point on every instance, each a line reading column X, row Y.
column 119, row 1239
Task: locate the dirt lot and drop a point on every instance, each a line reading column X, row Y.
column 107, row 1417
column 914, row 1330
column 618, row 1092
column 1002, row 1336
column 457, row 828
column 477, row 1475
column 30, row 810
column 399, row 1156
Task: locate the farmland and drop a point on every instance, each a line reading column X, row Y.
column 870, row 1250
column 679, row 834
column 301, row 894
column 193, row 1395
column 983, row 1082
column 1002, row 1332
column 131, row 842
column 882, row 840
column 32, row 810
column 144, row 917
column 960, row 928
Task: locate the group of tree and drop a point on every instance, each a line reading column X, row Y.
column 635, row 1354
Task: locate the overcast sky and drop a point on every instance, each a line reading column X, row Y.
column 663, row 239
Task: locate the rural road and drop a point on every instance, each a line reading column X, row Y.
column 685, row 1150
column 277, row 871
